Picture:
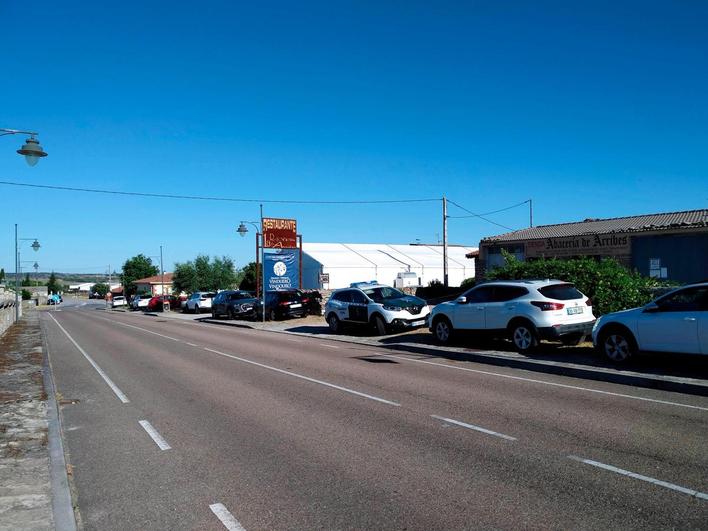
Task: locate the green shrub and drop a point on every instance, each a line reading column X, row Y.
column 468, row 283
column 611, row 286
column 26, row 294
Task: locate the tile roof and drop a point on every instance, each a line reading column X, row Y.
column 647, row 222
column 157, row 279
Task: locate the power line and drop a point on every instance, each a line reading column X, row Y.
column 208, row 198
column 481, row 216
column 493, row 211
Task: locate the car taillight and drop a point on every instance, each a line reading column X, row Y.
column 283, row 303
column 548, row 306
column 305, row 300
column 589, row 302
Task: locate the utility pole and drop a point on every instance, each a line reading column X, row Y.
column 445, row 277
column 263, row 266
column 17, row 283
column 530, row 212
column 162, row 279
column 109, row 285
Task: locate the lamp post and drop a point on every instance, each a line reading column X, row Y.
column 260, row 276
column 31, row 149
column 35, row 246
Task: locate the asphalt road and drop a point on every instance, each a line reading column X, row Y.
column 262, row 430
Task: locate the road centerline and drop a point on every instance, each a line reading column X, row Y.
column 475, row 428
column 306, row 378
column 660, row 483
column 153, row 433
column 120, row 394
column 227, row 519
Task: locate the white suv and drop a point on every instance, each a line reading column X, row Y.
column 526, row 311
column 372, row 304
column 199, row 301
column 676, row 322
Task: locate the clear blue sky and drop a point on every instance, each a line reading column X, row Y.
column 594, row 109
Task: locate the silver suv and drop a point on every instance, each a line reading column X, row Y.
column 382, row 307
column 525, row 311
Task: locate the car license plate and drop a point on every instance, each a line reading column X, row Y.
column 296, row 305
column 575, row 310
column 418, row 323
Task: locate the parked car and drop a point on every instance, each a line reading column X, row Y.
column 525, row 311
column 158, row 303
column 282, row 304
column 313, row 302
column 234, row 304
column 198, row 301
column 384, row 308
column 117, row 301
column 140, row 302
column 675, row 322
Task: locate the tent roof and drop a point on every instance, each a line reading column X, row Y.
column 385, row 255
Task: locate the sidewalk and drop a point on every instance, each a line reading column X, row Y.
column 25, row 487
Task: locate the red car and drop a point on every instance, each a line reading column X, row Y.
column 158, row 303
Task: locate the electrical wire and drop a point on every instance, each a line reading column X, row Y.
column 227, row 199
column 479, row 216
column 493, row 211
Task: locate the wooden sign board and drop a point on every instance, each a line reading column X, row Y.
column 279, row 233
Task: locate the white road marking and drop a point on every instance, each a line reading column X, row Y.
column 121, row 396
column 532, row 380
column 293, row 340
column 143, row 329
column 192, row 344
column 307, row 378
column 678, row 488
column 328, row 346
column 228, row 519
column 152, row 432
column 476, row 428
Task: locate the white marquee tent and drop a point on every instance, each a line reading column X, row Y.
column 356, row 262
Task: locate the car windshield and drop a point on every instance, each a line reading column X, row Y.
column 289, row 295
column 384, row 292
column 561, row 292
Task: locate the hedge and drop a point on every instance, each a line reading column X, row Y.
column 611, row 286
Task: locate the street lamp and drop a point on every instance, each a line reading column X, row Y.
column 31, row 149
column 242, row 231
column 35, row 247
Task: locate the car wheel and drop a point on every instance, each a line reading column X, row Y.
column 334, row 325
column 271, row 315
column 617, row 344
column 232, row 314
column 524, row 337
column 442, row 330
column 379, row 325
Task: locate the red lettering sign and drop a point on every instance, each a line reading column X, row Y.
column 279, row 233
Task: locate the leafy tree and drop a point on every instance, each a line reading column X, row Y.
column 184, row 278
column 100, row 288
column 248, row 277
column 26, row 281
column 53, row 285
column 2, row 275
column 610, row 285
column 137, row 267
column 204, row 274
column 26, row 294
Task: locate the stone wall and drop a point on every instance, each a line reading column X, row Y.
column 7, row 314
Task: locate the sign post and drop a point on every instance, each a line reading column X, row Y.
column 281, row 269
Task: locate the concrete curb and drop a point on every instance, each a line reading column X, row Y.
column 677, row 384
column 62, row 506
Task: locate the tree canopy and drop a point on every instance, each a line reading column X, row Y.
column 137, row 267
column 100, row 288
column 248, row 277
column 204, row 274
column 53, row 285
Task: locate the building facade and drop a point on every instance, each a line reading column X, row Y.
column 672, row 246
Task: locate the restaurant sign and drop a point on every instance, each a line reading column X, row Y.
column 585, row 245
column 279, row 233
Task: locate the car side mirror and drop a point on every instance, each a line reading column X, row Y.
column 652, row 307
column 461, row 300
